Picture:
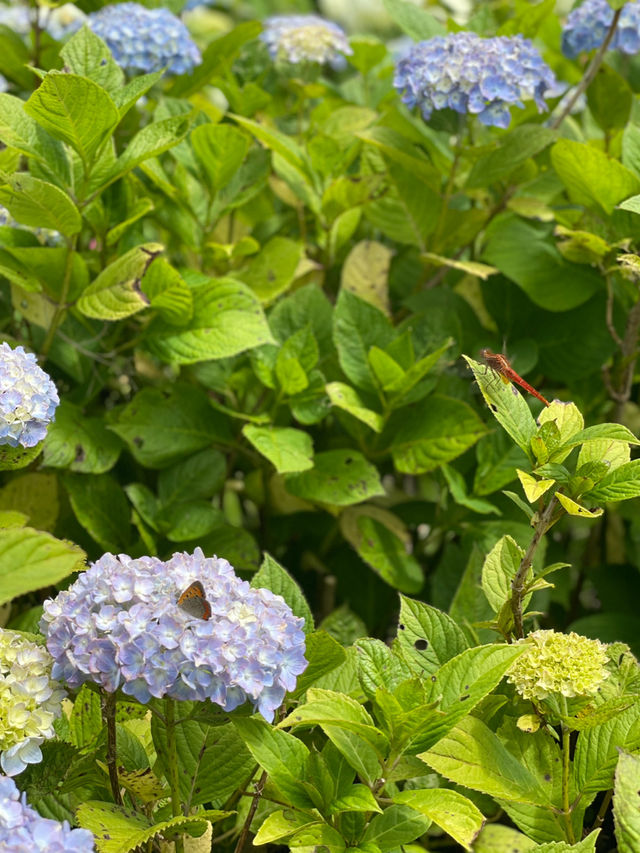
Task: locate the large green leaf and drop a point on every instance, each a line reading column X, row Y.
column 626, row 803
column 227, row 319
column 457, row 815
column 288, row 449
column 338, row 477
column 116, row 292
column 18, row 130
column 40, row 204
column 30, row 560
column 220, row 149
column 357, row 326
column 274, row 577
column 428, row 636
column 101, row 507
column 80, row 443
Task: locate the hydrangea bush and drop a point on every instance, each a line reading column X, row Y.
column 307, row 573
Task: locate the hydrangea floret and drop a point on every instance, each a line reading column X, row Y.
column 587, row 26
column 22, row 829
column 145, row 40
column 30, row 700
column 471, row 74
column 568, row 665
column 305, row 38
column 28, row 398
column 120, row 626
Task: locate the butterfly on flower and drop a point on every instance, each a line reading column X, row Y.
column 194, row 601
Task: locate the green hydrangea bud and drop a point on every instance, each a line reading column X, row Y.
column 555, row 663
column 30, row 700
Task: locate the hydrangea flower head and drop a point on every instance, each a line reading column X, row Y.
column 145, row 40
column 470, row 74
column 22, row 829
column 28, row 398
column 120, row 626
column 305, row 38
column 30, row 700
column 587, row 26
column 555, row 663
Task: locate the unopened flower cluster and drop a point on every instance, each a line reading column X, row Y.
column 470, row 74
column 22, row 829
column 28, row 398
column 305, row 38
column 46, row 236
column 30, row 700
column 566, row 664
column 120, row 625
column 145, row 40
column 588, row 24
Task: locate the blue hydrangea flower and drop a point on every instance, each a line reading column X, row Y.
column 470, row 74
column 29, row 701
column 146, row 40
column 28, row 398
column 588, row 24
column 305, row 38
column 120, row 626
column 22, row 830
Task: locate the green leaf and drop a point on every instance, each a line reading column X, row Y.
column 101, row 508
column 412, row 20
column 591, row 177
column 610, row 98
column 357, row 799
column 427, row 636
column 39, row 204
column 597, row 748
column 281, row 144
column 473, row 756
column 80, row 443
column 75, row 110
column 318, row 836
column 324, row 655
column 274, row 577
column 85, row 722
column 149, row 142
column 167, row 292
column 120, row 830
column 397, row 825
column 449, row 810
column 513, row 150
column 30, row 560
column 140, row 208
column 220, row 149
column 18, row 130
column 272, row 271
column 365, row 273
column 162, row 427
column 374, row 534
column 199, row 476
column 282, row 755
column 507, row 405
column 597, row 432
column 357, row 326
column 626, row 803
column 587, row 845
column 116, row 292
column 87, row 55
column 203, row 748
column 339, row 478
column 458, row 489
column 431, row 432
column 227, row 319
column 621, row 484
column 281, row 824
column 524, row 252
column 288, row 449
column 500, row 567
column 129, row 94
column 347, row 398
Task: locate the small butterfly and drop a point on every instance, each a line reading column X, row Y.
column 193, row 600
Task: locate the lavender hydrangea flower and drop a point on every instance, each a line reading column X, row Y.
column 28, row 398
column 470, row 74
column 588, row 24
column 120, row 625
column 305, row 38
column 22, row 829
column 30, row 700
column 146, row 40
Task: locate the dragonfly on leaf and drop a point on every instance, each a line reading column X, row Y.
column 500, row 364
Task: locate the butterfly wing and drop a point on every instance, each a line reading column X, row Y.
column 194, row 601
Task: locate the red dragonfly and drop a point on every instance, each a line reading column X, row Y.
column 500, row 363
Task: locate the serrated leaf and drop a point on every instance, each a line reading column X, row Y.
column 274, row 577
column 324, row 655
column 31, row 559
column 281, row 824
column 574, row 508
column 626, row 803
column 167, row 292
column 80, row 443
column 345, row 397
column 288, row 449
column 365, row 273
column 499, row 568
column 339, row 477
column 116, row 292
column 39, row 204
column 533, row 489
column 101, row 508
column 620, row 484
column 450, row 810
column 428, row 636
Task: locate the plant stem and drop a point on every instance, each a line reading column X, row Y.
column 629, row 353
column 172, row 767
column 602, row 811
column 109, row 716
column 590, row 73
column 566, row 766
column 517, row 584
column 61, row 306
column 252, row 810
